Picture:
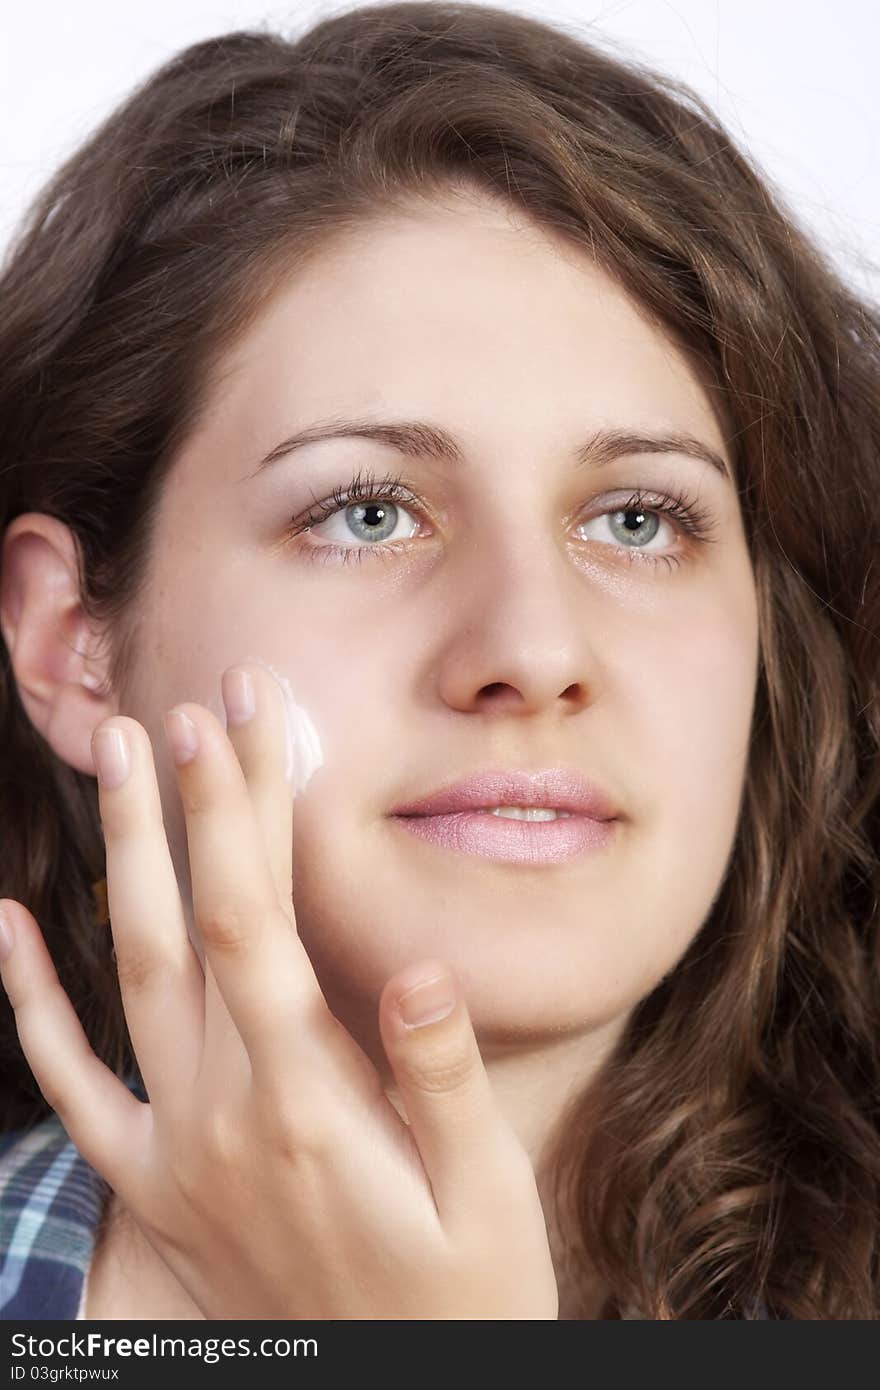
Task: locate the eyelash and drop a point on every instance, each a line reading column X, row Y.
column 694, row 520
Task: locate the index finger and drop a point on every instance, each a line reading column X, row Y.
column 249, row 936
column 257, row 727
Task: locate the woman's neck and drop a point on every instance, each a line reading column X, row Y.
column 535, row 1086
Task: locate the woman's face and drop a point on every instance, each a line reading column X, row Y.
column 519, row 614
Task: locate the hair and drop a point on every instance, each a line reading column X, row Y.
column 729, row 1150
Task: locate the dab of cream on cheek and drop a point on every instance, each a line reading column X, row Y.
column 304, row 754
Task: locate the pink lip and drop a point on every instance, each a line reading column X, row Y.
column 556, row 787
column 456, row 817
column 513, row 841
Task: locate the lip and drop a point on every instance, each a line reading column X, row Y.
column 478, row 832
column 557, row 788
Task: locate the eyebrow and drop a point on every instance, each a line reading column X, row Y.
column 419, row 439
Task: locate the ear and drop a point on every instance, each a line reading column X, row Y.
column 52, row 647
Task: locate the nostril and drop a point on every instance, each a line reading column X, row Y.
column 498, row 690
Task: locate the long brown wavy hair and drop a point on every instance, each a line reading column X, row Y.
column 730, row 1149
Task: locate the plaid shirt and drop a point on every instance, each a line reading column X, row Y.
column 51, row 1201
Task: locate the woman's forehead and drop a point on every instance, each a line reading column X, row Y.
column 501, row 343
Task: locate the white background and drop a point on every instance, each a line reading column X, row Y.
column 794, row 81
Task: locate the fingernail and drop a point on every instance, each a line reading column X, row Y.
column 112, row 757
column 238, row 696
column 427, row 1002
column 6, row 938
column 182, row 736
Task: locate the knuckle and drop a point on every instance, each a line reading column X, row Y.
column 229, row 926
column 298, row 1129
column 306, row 1144
column 447, row 1071
column 199, row 801
column 222, row 1138
column 135, row 969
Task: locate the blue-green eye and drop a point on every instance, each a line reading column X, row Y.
column 378, row 520
column 633, row 527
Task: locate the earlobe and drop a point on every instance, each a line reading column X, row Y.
column 52, row 647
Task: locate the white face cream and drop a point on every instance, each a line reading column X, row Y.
column 304, row 753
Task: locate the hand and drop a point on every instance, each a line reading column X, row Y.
column 269, row 1170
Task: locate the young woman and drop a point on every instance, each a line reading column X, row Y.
column 439, row 595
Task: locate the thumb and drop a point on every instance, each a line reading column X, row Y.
column 464, row 1141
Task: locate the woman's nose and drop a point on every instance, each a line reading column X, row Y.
column 518, row 634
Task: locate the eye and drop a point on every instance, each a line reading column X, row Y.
column 634, row 527
column 635, row 523
column 374, row 522
column 369, row 510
